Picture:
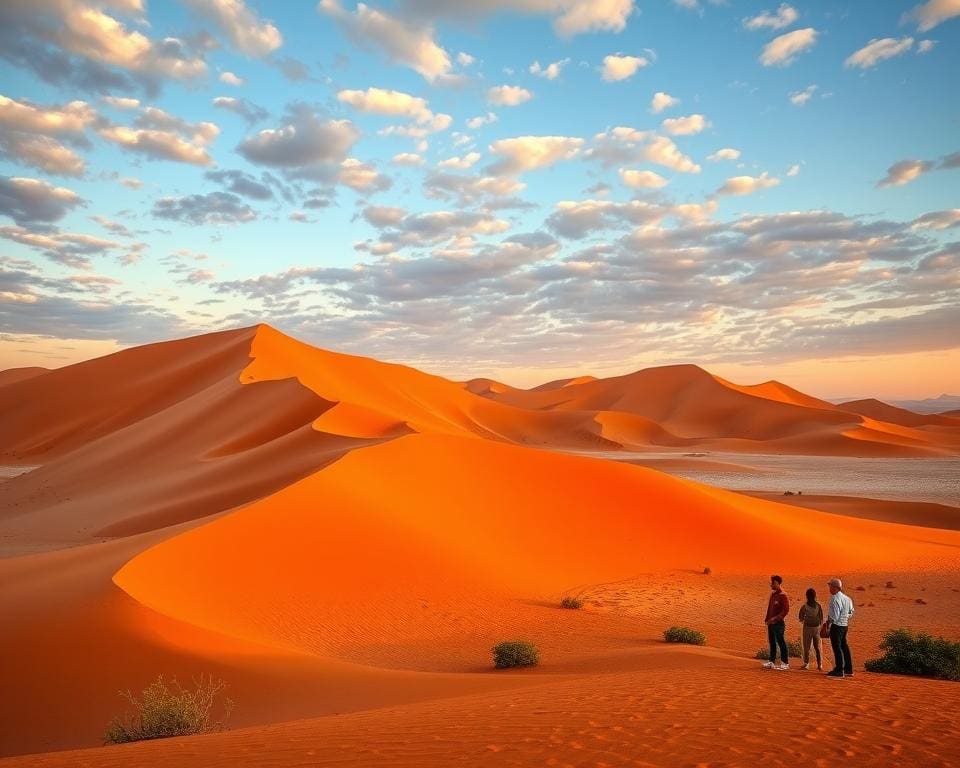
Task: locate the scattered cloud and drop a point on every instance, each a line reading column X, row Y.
column 685, row 126
column 551, row 71
column 246, row 109
column 528, row 153
column 783, row 50
column 662, row 101
column 784, row 16
column 747, row 185
column 407, row 158
column 932, row 13
column 877, row 50
column 642, row 179
column 727, row 153
column 481, row 120
column 240, row 25
column 231, row 79
column 508, row 95
column 799, row 98
column 618, row 67
column 905, row 171
column 949, row 219
column 33, row 200
column 305, row 140
column 460, row 163
column 211, row 208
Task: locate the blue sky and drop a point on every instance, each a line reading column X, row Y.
column 169, row 168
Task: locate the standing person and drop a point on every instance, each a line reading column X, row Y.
column 838, row 616
column 811, row 617
column 777, row 610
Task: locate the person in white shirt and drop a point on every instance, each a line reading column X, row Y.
column 838, row 617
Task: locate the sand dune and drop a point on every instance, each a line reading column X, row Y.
column 13, row 375
column 880, row 411
column 333, row 535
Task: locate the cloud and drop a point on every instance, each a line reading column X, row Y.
column 241, row 26
column 877, row 50
column 727, row 153
column 32, row 200
column 407, row 158
column 245, row 109
column 799, row 98
column 465, row 59
column 747, row 185
column 70, row 249
column 362, row 177
column 460, row 163
column 577, row 219
column 784, row 17
column 241, row 183
column 570, row 17
column 662, row 101
column 71, row 118
column 305, row 140
column 400, row 229
column 157, row 144
column 379, row 101
column 231, row 79
column 623, row 145
column 663, row 151
column 783, row 50
column 211, row 208
column 793, row 170
column 121, row 102
column 619, row 67
column 508, row 95
column 41, row 152
column 925, row 46
column 905, row 171
column 549, row 72
column 469, row 189
column 405, row 43
column 527, row 153
column 685, row 126
column 481, row 120
column 930, row 14
column 948, row 219
column 642, row 179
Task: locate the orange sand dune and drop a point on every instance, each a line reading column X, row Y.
column 880, row 411
column 13, row 375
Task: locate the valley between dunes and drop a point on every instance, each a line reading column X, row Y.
column 343, row 540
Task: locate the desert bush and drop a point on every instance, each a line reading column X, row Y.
column 917, row 653
column 170, row 710
column 515, row 653
column 573, row 603
column 707, row 571
column 794, row 648
column 684, row 635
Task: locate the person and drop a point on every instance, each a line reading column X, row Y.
column 838, row 617
column 777, row 610
column 811, row 617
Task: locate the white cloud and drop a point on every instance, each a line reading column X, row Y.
column 662, row 101
column 642, row 179
column 727, row 153
column 904, row 172
column 793, row 170
column 243, row 28
column 930, row 14
column 551, row 71
column 28, row 200
column 685, row 126
column 41, row 152
column 618, row 67
column 508, row 95
column 799, row 98
column 465, row 59
column 73, row 117
column 121, row 102
column 925, row 46
column 784, row 17
column 481, row 120
column 592, row 16
column 460, row 163
column 305, row 140
column 948, row 219
column 379, row 101
column 231, row 79
column 528, row 153
column 361, row 176
column 408, row 159
column 877, row 50
column 406, row 43
column 782, row 50
column 158, row 144
column 747, row 185
column 663, row 151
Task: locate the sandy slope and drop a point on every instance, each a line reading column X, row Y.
column 331, row 534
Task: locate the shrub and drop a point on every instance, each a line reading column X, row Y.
column 707, row 571
column 515, row 653
column 909, row 653
column 794, row 648
column 684, row 635
column 170, row 710
column 573, row 603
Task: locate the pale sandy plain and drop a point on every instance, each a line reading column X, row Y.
column 343, row 540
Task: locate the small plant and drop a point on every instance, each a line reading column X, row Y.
column 170, row 710
column 707, row 571
column 573, row 603
column 793, row 648
column 917, row 653
column 515, row 653
column 684, row 635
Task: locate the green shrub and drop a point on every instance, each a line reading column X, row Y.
column 515, row 653
column 684, row 635
column 917, row 653
column 794, row 648
column 573, row 603
column 170, row 710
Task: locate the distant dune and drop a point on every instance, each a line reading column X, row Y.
column 333, row 535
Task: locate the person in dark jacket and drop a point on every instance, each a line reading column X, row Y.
column 811, row 617
column 777, row 610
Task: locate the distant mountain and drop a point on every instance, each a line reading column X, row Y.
column 931, row 404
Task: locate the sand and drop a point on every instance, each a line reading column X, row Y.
column 344, row 540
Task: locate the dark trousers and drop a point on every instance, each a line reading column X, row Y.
column 842, row 660
column 776, row 636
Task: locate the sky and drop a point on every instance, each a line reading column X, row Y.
column 521, row 189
